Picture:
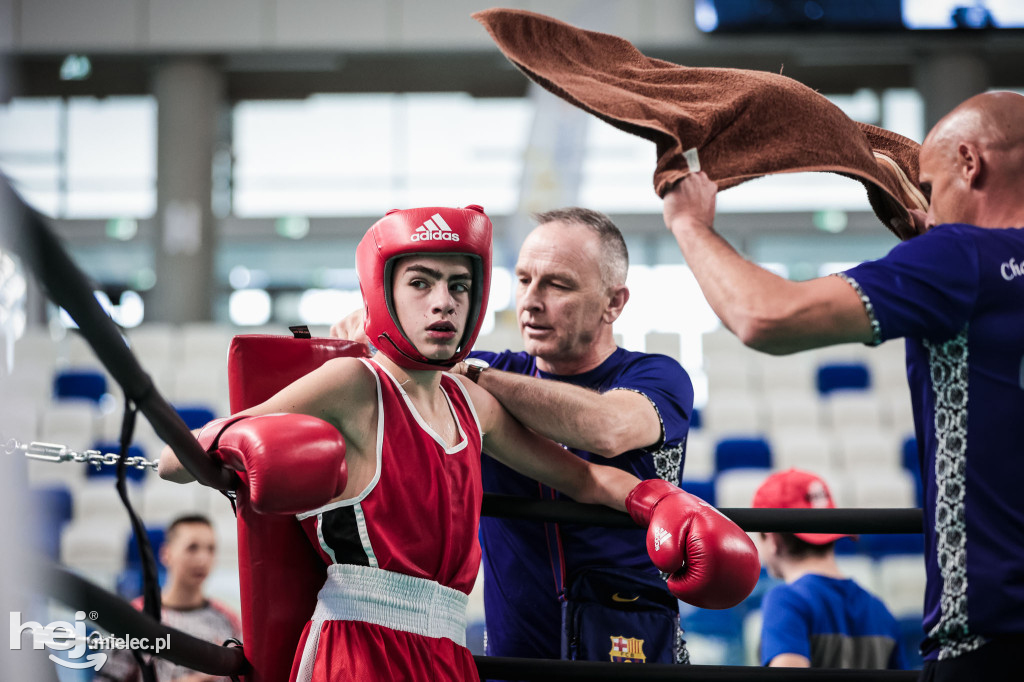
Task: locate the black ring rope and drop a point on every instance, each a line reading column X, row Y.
column 116, row 615
column 28, row 234
column 557, row 671
column 853, row 521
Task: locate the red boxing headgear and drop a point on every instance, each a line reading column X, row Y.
column 434, row 231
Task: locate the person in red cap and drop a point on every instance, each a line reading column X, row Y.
column 400, row 536
column 818, row 618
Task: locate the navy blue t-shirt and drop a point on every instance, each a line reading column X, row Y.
column 957, row 294
column 832, row 622
column 520, row 594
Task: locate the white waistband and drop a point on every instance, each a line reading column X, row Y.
column 394, row 600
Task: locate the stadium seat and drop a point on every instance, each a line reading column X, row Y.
column 742, row 453
column 735, row 488
column 87, row 384
column 51, row 508
column 700, row 456
column 195, row 416
column 110, row 470
column 901, row 581
column 887, row 544
column 845, row 376
column 911, row 636
column 733, row 413
column 705, row 490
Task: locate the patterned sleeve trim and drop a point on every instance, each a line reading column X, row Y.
column 876, row 329
column 661, row 422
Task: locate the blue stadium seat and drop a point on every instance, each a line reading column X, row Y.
column 156, row 536
column 912, row 633
column 881, row 545
column 51, row 508
column 847, row 546
column 843, row 377
column 910, row 460
column 705, row 490
column 911, row 464
column 110, row 470
column 742, row 453
column 129, row 581
column 195, row 416
column 84, row 383
column 696, row 419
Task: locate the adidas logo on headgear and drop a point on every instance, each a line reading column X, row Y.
column 435, row 229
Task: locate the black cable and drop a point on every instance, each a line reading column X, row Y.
column 150, row 580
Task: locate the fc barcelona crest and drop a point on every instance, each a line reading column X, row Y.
column 627, row 650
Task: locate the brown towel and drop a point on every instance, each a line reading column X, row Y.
column 744, row 124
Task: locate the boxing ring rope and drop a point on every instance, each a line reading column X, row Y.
column 116, row 615
column 851, row 521
column 29, row 235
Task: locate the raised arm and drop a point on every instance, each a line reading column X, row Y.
column 766, row 312
column 337, row 393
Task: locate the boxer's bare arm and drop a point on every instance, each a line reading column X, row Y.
column 765, row 311
column 532, row 455
column 342, row 392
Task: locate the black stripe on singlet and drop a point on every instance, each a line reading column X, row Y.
column 341, row 533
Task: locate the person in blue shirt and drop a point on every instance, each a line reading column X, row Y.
column 955, row 292
column 574, row 385
column 818, row 618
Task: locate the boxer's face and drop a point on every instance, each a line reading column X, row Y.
column 560, row 296
column 432, row 298
column 189, row 553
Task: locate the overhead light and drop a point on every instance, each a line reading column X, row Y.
column 830, row 221
column 292, row 227
column 122, row 229
column 76, row 67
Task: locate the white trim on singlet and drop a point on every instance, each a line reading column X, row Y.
column 376, row 476
column 472, row 407
column 463, row 440
column 323, row 542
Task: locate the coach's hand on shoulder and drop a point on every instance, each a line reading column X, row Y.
column 350, row 327
column 293, row 462
column 712, row 562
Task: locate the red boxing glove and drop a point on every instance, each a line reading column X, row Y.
column 712, row 562
column 293, row 462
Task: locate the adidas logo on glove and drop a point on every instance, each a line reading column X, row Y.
column 435, row 229
column 660, row 535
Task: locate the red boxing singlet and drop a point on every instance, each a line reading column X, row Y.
column 400, row 552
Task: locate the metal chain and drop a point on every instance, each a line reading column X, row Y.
column 51, row 452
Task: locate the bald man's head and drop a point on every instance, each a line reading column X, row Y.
column 972, row 161
column 994, row 120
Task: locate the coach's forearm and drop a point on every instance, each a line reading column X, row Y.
column 606, row 424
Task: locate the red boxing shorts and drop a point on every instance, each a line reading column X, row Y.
column 372, row 624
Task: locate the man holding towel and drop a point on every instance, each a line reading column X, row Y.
column 955, row 291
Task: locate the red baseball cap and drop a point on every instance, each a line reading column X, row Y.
column 797, row 489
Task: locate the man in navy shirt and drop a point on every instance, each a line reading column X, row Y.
column 609, row 405
column 818, row 618
column 956, row 293
column 574, row 385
